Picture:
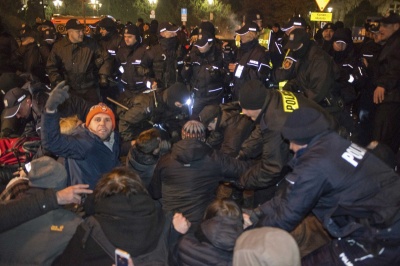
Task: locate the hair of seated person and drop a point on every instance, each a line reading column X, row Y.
column 148, row 141
column 223, row 207
column 119, row 181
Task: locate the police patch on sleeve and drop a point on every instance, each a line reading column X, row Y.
column 287, row 63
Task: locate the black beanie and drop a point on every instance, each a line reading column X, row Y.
column 252, row 95
column 303, row 125
column 108, row 24
column 176, row 93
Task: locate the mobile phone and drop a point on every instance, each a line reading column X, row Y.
column 121, row 257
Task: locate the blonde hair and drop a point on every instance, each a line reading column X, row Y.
column 68, row 124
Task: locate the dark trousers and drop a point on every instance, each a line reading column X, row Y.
column 387, row 125
column 347, row 251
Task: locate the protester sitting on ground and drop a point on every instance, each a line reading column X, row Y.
column 266, row 246
column 144, row 154
column 18, row 211
column 40, row 240
column 91, row 150
column 186, row 178
column 213, row 242
column 128, row 219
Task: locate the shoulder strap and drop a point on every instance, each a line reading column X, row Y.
column 93, row 229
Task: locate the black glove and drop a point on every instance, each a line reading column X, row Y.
column 58, row 95
column 103, row 81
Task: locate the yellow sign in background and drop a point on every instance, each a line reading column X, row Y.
column 321, row 16
column 322, row 4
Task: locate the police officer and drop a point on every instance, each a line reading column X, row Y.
column 346, row 187
column 204, row 71
column 81, row 62
column 269, row 109
column 252, row 61
column 165, row 109
column 111, row 41
column 316, row 74
column 387, row 90
column 129, row 59
column 327, row 33
column 163, row 59
column 264, row 33
column 275, row 46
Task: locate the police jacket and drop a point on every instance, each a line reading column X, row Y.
column 111, row 43
column 161, row 60
column 352, row 192
column 129, row 59
column 315, row 76
column 186, row 178
column 252, row 63
column 233, row 128
column 212, row 243
column 28, row 59
column 275, row 45
column 86, row 156
column 275, row 150
column 204, row 72
column 388, row 75
column 78, row 63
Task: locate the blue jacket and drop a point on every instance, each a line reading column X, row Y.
column 348, row 189
column 87, row 158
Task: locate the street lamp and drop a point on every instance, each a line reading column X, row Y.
column 330, row 9
column 57, row 4
column 211, row 3
column 96, row 6
column 153, row 3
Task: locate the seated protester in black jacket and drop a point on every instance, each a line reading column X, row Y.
column 213, row 242
column 129, row 219
column 229, row 128
column 186, row 178
column 144, row 154
column 352, row 192
column 18, row 211
column 40, row 240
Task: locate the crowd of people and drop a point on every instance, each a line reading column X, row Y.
column 277, row 149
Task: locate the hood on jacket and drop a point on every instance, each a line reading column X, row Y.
column 190, row 150
column 222, row 231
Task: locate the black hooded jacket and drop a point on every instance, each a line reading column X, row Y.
column 186, row 178
column 212, row 243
